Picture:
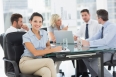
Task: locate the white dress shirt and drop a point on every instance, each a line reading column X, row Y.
column 13, row 29
column 93, row 27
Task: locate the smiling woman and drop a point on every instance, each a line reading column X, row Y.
column 36, row 45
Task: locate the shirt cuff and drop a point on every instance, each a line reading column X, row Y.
column 91, row 43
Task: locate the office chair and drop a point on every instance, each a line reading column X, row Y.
column 111, row 63
column 13, row 49
column 1, row 39
column 45, row 28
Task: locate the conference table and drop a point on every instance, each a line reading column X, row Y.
column 73, row 52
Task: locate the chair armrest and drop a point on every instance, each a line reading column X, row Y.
column 112, row 57
column 16, row 69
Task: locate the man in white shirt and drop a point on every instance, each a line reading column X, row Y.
column 92, row 25
column 87, row 30
column 17, row 24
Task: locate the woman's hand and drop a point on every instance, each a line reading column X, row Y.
column 54, row 40
column 65, row 28
column 58, row 48
column 75, row 38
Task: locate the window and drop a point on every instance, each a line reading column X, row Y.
column 115, row 16
column 43, row 14
column 47, row 3
column 115, row 3
column 48, row 16
column 78, row 23
column 78, row 14
column 44, row 24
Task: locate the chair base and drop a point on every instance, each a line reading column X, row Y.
column 114, row 73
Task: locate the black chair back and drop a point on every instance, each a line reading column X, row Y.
column 13, row 49
column 45, row 28
column 1, row 39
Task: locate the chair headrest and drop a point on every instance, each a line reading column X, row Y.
column 14, row 38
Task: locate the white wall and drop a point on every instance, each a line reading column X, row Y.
column 1, row 17
column 67, row 11
column 101, row 4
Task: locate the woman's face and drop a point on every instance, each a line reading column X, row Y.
column 59, row 22
column 36, row 22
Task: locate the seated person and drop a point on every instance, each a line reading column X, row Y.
column 87, row 30
column 17, row 24
column 106, row 36
column 55, row 24
column 36, row 45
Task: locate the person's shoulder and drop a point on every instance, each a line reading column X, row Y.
column 49, row 27
column 9, row 30
column 94, row 21
column 112, row 25
column 26, row 34
column 43, row 31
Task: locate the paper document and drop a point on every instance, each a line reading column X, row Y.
column 96, row 46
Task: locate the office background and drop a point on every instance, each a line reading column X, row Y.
column 69, row 10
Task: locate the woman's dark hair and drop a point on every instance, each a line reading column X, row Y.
column 15, row 17
column 103, row 14
column 36, row 14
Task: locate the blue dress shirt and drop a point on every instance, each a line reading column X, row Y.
column 109, row 36
column 38, row 44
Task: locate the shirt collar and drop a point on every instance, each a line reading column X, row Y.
column 106, row 24
column 32, row 34
column 89, row 22
column 13, row 27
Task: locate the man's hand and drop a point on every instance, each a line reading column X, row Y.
column 65, row 28
column 85, row 43
column 25, row 27
column 75, row 38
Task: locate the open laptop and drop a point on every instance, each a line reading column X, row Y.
column 60, row 35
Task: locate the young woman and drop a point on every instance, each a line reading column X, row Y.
column 36, row 45
column 55, row 24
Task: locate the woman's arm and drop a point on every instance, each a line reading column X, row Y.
column 35, row 52
column 52, row 37
column 48, row 46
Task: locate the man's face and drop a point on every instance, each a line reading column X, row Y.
column 19, row 23
column 99, row 19
column 85, row 16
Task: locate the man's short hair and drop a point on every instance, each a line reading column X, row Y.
column 103, row 14
column 85, row 10
column 15, row 17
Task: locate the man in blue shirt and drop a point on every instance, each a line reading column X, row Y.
column 106, row 36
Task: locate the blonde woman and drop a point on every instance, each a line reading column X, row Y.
column 55, row 24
